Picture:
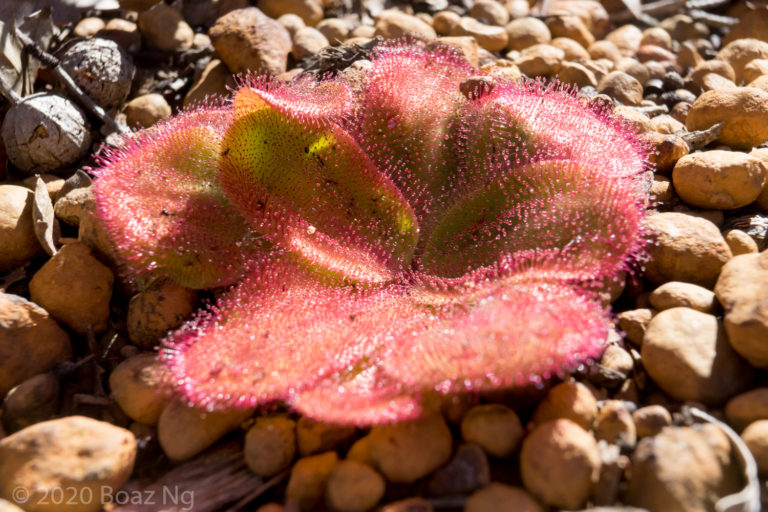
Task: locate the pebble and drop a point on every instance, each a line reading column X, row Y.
column 490, row 12
column 656, row 36
column 571, row 400
column 744, row 110
column 88, row 27
column 661, row 189
column 618, row 360
column 591, row 12
column 335, row 30
column 137, row 387
column 574, row 52
column 685, row 469
column 707, row 67
column 7, row 506
column 184, row 431
column 498, row 497
column 75, row 288
column 655, row 53
column 755, row 436
column 633, row 68
column 667, row 124
column 307, row 41
column 683, row 28
column 762, row 200
column 684, row 248
column 604, row 50
column 213, row 81
column 494, row 427
column 748, row 407
column 123, row 32
column 292, row 23
column 741, row 52
column 392, row 23
column 559, row 463
column 634, row 323
column 723, row 180
column 446, row 22
column 740, row 242
column 742, row 290
column 636, row 120
column 650, row 420
column 32, row 401
column 18, row 243
column 678, row 294
column 247, row 39
column 270, row 445
column 626, row 39
column 407, row 451
column 466, row 472
column 540, row 60
column 621, row 86
column 310, row 11
column 668, row 149
column 75, row 454
column 146, row 110
column 755, row 69
column 572, row 27
column 687, row 354
column 308, row 480
column 614, row 424
column 576, row 74
column 30, row 340
column 760, row 82
column 490, row 37
column 317, row 436
column 525, row 32
column 163, row 28
column 354, row 487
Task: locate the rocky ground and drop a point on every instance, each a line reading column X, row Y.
column 82, row 412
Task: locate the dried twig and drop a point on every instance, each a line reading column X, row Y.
column 54, row 64
column 700, row 138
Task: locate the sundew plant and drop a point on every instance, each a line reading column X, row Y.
column 385, row 240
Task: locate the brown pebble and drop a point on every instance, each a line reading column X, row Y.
column 684, row 248
column 744, row 110
column 354, row 487
column 146, row 110
column 164, row 28
column 247, row 39
column 614, row 424
column 308, row 480
column 310, row 11
column 559, row 463
column 742, row 290
column 634, row 323
column 750, row 406
column 525, row 32
column 18, row 242
column 687, row 354
column 571, row 400
column 270, row 445
column 498, row 497
column 650, row 420
column 316, row 436
column 137, row 387
column 495, row 427
column 32, row 401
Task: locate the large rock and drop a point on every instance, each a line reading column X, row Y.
column 683, row 469
column 722, row 180
column 744, row 110
column 31, row 342
column 742, row 289
column 248, row 40
column 686, row 352
column 85, row 459
column 684, row 248
column 18, row 242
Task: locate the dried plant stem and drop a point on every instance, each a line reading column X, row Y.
column 8, row 92
column 53, row 63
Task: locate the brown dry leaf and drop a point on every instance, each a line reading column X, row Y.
column 47, row 228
